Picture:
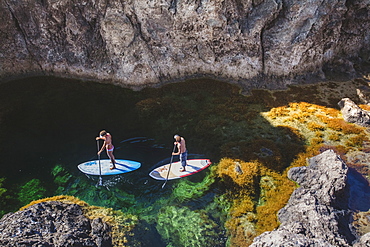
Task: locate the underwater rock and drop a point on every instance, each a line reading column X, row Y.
column 141, row 43
column 352, row 113
column 318, row 212
column 53, row 223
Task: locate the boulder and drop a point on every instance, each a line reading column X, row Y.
column 53, row 224
column 352, row 113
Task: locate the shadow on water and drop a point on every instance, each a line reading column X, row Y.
column 48, row 121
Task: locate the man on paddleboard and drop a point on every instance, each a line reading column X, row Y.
column 181, row 150
column 103, row 135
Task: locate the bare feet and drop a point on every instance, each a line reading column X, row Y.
column 182, row 169
column 113, row 167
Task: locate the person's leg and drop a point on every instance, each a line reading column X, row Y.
column 183, row 158
column 112, row 159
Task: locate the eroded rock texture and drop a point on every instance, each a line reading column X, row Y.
column 258, row 43
column 53, row 224
column 319, row 212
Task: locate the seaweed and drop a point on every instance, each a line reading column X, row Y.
column 30, row 191
column 180, row 226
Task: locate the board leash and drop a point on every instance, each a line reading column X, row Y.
column 169, row 169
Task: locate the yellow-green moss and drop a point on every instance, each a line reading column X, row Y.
column 275, row 195
column 315, row 126
column 241, row 173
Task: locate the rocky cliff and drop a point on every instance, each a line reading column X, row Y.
column 257, row 43
column 321, row 211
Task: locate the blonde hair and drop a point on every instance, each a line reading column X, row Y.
column 103, row 133
column 177, row 138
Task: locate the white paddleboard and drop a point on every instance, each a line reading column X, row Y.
column 122, row 166
column 193, row 166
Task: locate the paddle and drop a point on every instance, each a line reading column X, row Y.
column 100, row 178
column 169, row 169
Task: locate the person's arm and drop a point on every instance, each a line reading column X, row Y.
column 102, row 148
column 178, row 149
column 104, row 144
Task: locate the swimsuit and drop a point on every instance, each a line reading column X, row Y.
column 111, row 149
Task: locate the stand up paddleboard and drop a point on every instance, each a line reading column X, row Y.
column 122, row 166
column 193, row 166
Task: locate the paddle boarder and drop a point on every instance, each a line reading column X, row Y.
column 181, row 150
column 103, row 135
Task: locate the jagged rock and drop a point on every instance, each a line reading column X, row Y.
column 260, row 43
column 318, row 212
column 352, row 113
column 53, row 224
column 364, row 94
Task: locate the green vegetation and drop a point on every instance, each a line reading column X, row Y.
column 61, row 178
column 180, row 226
column 2, row 201
column 186, row 190
column 30, row 191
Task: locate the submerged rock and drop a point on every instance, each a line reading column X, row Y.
column 53, row 223
column 318, row 212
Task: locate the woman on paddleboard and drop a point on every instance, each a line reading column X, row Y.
column 181, row 150
column 103, row 135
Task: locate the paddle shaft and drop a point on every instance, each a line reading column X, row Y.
column 169, row 169
column 100, row 178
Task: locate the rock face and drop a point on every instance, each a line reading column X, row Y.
column 352, row 113
column 53, row 224
column 258, row 43
column 318, row 212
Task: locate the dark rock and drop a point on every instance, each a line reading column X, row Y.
column 53, row 224
column 318, row 212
